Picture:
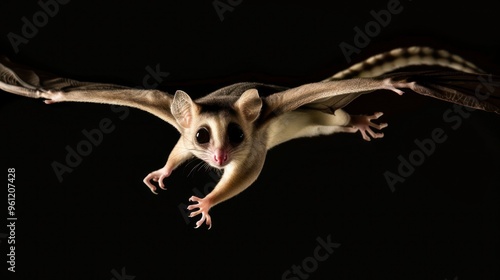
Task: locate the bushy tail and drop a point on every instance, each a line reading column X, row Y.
column 403, row 57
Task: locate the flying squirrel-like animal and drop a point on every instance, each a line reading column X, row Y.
column 233, row 128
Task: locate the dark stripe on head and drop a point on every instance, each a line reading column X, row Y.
column 216, row 108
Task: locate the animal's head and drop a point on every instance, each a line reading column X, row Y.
column 217, row 130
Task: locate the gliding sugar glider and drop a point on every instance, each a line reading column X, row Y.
column 233, row 128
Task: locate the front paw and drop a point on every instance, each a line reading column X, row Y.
column 364, row 124
column 203, row 205
column 157, row 176
column 51, row 96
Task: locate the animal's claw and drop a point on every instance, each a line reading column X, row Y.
column 203, row 205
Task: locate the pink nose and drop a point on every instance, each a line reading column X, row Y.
column 220, row 157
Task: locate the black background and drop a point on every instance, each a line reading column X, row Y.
column 440, row 223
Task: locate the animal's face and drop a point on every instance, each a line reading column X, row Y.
column 216, row 138
column 217, row 134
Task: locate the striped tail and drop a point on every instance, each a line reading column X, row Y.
column 402, row 57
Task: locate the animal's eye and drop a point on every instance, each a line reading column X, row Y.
column 235, row 134
column 202, row 136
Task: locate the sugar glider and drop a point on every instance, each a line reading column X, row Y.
column 233, row 128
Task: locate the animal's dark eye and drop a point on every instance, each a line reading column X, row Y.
column 235, row 133
column 202, row 136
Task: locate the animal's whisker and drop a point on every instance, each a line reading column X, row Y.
column 197, row 166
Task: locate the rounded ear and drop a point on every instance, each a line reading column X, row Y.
column 249, row 105
column 183, row 108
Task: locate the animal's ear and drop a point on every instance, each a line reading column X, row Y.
column 249, row 105
column 183, row 108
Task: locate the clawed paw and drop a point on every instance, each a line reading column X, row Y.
column 51, row 96
column 157, row 176
column 203, row 205
column 364, row 124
